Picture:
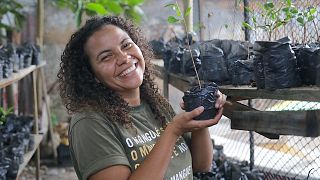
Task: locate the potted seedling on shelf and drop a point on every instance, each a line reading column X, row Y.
column 275, row 65
column 305, row 17
column 308, row 57
column 201, row 94
column 271, row 17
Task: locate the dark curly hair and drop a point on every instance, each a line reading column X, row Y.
column 80, row 91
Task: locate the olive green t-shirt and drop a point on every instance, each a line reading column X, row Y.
column 96, row 143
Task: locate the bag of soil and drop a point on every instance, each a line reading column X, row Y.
column 158, row 47
column 242, row 72
column 7, row 64
column 206, row 97
column 308, row 59
column 187, row 64
column 279, row 64
column 213, row 66
column 234, row 50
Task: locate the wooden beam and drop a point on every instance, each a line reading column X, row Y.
column 300, row 123
column 299, row 93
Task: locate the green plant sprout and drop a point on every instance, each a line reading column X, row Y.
column 179, row 17
column 304, row 17
column 11, row 7
column 272, row 16
column 4, row 114
column 129, row 8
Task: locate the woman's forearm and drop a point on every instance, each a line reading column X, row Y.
column 201, row 150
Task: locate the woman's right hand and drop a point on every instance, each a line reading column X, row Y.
column 184, row 122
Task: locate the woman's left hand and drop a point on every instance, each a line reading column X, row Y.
column 221, row 99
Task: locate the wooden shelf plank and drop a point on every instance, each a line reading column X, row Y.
column 19, row 75
column 300, row 123
column 28, row 155
column 298, row 93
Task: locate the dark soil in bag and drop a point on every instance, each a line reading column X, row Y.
column 206, row 97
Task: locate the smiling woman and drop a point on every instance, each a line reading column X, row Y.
column 117, row 62
column 122, row 128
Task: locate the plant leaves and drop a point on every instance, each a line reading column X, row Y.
column 246, row 25
column 311, row 18
column 97, row 8
column 300, row 20
column 187, row 12
column 312, row 11
column 114, row 7
column 172, row 19
column 135, row 2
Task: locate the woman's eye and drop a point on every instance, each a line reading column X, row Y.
column 106, row 57
column 127, row 45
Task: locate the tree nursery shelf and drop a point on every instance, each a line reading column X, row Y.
column 28, row 155
column 19, row 75
column 274, row 123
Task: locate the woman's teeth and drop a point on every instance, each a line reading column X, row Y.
column 132, row 68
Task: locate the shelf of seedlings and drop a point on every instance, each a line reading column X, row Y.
column 27, row 156
column 243, row 117
column 19, row 75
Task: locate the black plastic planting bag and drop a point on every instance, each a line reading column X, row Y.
column 158, row 47
column 280, row 66
column 7, row 67
column 213, row 66
column 277, row 62
column 309, row 63
column 234, row 50
column 35, row 55
column 242, row 72
column 206, row 97
column 187, row 64
column 259, row 48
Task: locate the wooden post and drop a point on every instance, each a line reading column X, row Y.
column 40, row 23
column 189, row 19
column 36, row 121
column 201, row 20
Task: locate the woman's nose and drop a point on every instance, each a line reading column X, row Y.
column 122, row 58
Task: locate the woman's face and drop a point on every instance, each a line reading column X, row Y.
column 116, row 60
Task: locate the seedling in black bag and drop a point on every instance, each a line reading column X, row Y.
column 198, row 95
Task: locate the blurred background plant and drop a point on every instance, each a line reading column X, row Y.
column 127, row 8
column 11, row 17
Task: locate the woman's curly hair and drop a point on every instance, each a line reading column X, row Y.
column 80, row 91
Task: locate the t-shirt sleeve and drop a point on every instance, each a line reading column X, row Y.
column 95, row 145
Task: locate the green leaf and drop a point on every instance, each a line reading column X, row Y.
column 268, row 5
column 172, row 19
column 248, row 9
column 311, row 18
column 114, row 7
column 294, row 10
column 187, row 12
column 135, row 2
column 300, row 20
column 286, row 9
column 289, row 2
column 312, row 10
column 254, row 19
column 246, row 25
column 97, row 8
